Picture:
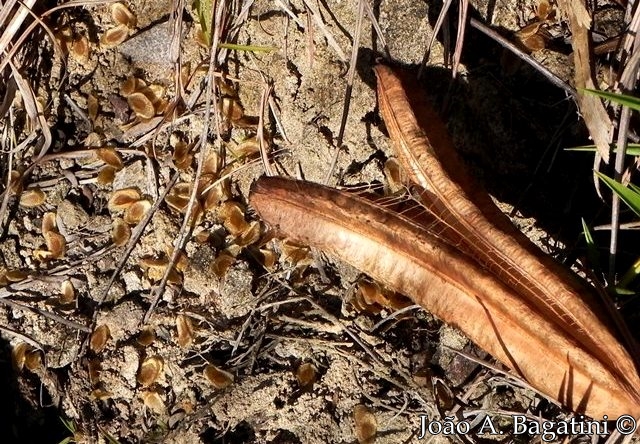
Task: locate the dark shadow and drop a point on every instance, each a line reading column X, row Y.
column 22, row 420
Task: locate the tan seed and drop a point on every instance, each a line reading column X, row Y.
column 219, row 378
column 120, row 232
column 67, row 293
column 80, row 48
column 106, row 175
column 99, row 338
column 123, row 199
column 56, row 244
column 221, row 264
column 306, row 374
column 153, row 401
column 49, row 222
column 33, row 360
column 366, row 425
column 18, row 355
column 15, row 275
column 185, row 330
column 136, row 212
column 232, row 217
column 115, row 36
column 122, row 15
column 150, row 370
column 92, row 107
column 32, row 198
column 111, row 157
column 141, row 105
column 146, row 337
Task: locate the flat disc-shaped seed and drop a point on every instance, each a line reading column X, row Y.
column 141, row 105
column 99, row 338
column 150, row 370
column 123, row 199
column 115, row 36
column 217, row 377
column 32, row 197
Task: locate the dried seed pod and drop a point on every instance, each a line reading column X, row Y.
column 137, row 211
column 49, row 222
column 219, row 378
column 153, row 92
column 18, row 355
column 67, row 293
column 122, row 15
column 366, row 425
column 99, row 338
column 221, row 264
column 232, row 216
column 32, row 198
column 56, row 244
column 141, row 105
column 123, row 199
column 153, row 401
column 120, row 232
column 80, row 48
column 111, row 157
column 306, row 374
column 92, row 107
column 150, row 370
column 106, row 175
column 115, row 36
column 185, row 330
column 33, row 360
column 146, row 337
column 211, row 164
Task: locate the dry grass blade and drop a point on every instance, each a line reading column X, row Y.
column 470, row 217
column 407, row 258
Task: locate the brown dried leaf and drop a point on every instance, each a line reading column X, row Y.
column 123, row 199
column 150, row 370
column 99, row 338
column 32, row 198
column 219, row 378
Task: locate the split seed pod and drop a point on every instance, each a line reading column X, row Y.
column 219, row 378
column 99, row 338
column 150, row 370
column 49, row 222
column 106, row 175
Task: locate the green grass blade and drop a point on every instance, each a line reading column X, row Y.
column 631, row 274
column 592, row 250
column 627, row 195
column 622, row 99
column 205, row 17
column 633, row 149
